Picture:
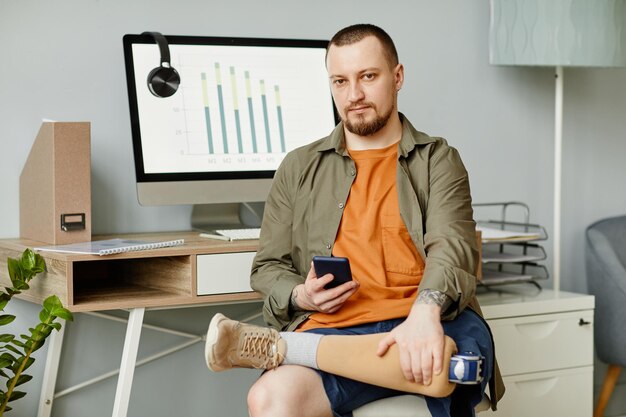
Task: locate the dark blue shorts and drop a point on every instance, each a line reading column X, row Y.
column 470, row 333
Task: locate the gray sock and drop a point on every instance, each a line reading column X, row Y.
column 301, row 348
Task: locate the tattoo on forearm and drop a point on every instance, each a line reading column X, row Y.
column 433, row 297
column 293, row 304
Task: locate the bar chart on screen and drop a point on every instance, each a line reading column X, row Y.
column 271, row 130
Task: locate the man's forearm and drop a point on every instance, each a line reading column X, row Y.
column 434, row 297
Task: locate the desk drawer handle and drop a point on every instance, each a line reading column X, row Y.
column 583, row 322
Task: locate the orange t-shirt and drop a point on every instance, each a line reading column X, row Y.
column 372, row 235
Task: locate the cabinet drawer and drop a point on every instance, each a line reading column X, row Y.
column 544, row 342
column 567, row 392
column 224, row 273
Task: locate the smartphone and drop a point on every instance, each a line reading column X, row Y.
column 337, row 266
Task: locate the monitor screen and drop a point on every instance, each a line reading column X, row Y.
column 242, row 104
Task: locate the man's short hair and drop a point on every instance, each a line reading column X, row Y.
column 355, row 33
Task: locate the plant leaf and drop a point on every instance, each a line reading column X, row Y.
column 44, row 315
column 19, row 343
column 20, row 286
column 15, row 271
column 36, row 333
column 5, row 363
column 13, row 348
column 8, row 356
column 38, row 344
column 56, row 325
column 29, row 362
column 4, row 299
column 40, row 264
column 54, row 307
column 11, row 291
column 6, row 338
column 16, row 395
column 6, row 319
column 28, row 259
column 63, row 313
column 23, row 379
column 41, row 332
column 18, row 363
column 52, row 303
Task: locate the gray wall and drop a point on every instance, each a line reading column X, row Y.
column 63, row 60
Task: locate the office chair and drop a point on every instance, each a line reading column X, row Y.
column 404, row 406
column 401, row 406
column 606, row 279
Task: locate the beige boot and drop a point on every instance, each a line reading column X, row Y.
column 232, row 344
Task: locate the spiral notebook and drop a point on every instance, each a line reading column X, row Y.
column 111, row 246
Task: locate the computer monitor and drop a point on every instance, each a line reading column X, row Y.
column 242, row 104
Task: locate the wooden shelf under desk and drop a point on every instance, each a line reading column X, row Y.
column 151, row 278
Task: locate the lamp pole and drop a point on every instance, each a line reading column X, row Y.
column 558, row 150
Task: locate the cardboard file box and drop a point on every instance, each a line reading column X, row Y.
column 55, row 185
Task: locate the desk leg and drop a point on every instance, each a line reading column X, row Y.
column 129, row 358
column 50, row 372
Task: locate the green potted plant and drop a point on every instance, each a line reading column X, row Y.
column 16, row 351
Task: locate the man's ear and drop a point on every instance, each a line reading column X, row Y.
column 398, row 73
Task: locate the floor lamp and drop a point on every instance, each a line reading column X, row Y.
column 558, row 33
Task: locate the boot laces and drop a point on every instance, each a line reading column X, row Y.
column 260, row 347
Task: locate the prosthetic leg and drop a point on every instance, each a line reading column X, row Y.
column 355, row 357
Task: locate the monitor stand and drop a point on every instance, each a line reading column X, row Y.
column 206, row 217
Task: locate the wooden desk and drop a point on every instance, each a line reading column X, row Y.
column 201, row 272
column 152, row 278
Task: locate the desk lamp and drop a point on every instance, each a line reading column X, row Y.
column 558, row 33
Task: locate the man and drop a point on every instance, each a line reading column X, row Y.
column 393, row 200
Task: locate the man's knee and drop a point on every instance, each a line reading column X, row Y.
column 259, row 398
column 267, row 393
column 262, row 396
column 285, row 391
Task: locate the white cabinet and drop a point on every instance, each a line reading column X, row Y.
column 544, row 347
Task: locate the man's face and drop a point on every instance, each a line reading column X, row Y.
column 363, row 85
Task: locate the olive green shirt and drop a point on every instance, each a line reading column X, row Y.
column 306, row 202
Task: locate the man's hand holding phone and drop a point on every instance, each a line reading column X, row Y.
column 313, row 296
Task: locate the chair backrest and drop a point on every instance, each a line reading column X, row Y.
column 614, row 229
column 606, row 279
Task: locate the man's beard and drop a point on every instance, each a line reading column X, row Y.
column 363, row 127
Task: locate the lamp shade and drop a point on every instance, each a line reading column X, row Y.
column 577, row 33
